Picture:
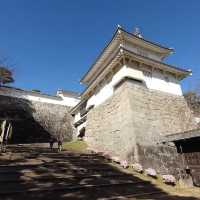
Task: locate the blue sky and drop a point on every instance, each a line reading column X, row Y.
column 50, row 44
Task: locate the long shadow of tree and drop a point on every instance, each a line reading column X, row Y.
column 72, row 176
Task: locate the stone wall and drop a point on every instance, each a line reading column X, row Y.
column 106, row 122
column 156, row 114
column 35, row 121
column 136, row 117
column 163, row 158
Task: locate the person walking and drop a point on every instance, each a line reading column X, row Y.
column 59, row 145
column 51, row 143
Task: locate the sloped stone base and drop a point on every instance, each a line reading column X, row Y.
column 137, row 117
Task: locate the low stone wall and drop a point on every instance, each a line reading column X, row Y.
column 35, row 121
column 163, row 158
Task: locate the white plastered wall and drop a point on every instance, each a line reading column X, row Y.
column 77, row 117
column 70, row 101
column 156, row 81
column 33, row 96
column 107, row 89
column 163, row 82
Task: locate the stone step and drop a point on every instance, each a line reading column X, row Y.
column 65, row 157
column 45, row 183
column 30, row 153
column 143, row 195
column 60, row 162
column 87, row 192
column 159, row 195
column 47, row 151
column 61, row 177
column 63, row 163
column 66, row 153
column 8, row 163
column 73, row 170
column 72, row 158
column 19, row 189
column 62, row 167
column 59, row 173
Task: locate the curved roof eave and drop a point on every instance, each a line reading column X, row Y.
column 99, row 56
column 172, row 67
column 155, row 45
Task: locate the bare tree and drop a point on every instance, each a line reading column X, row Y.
column 193, row 100
column 193, row 86
column 6, row 74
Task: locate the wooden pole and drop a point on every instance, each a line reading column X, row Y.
column 8, row 131
column 3, row 127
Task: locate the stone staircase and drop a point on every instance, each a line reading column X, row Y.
column 36, row 173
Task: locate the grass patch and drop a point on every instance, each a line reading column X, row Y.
column 77, row 146
column 173, row 190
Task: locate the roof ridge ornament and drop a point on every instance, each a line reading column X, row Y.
column 121, row 50
column 189, row 70
column 119, row 26
column 121, row 45
column 137, row 32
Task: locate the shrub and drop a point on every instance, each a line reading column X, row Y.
column 124, row 164
column 151, row 172
column 169, row 179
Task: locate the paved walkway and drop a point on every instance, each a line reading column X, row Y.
column 33, row 172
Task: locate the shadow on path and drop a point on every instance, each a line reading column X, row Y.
column 37, row 173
